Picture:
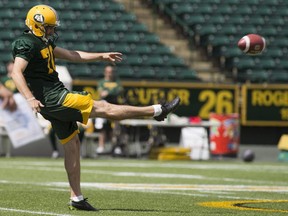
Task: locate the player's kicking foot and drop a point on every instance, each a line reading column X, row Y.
column 81, row 205
column 167, row 108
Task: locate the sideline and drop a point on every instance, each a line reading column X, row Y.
column 32, row 212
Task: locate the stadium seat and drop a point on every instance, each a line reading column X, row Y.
column 275, row 21
column 5, row 57
column 264, row 62
column 173, row 61
column 278, row 41
column 114, row 6
column 8, row 34
column 160, row 49
column 165, row 73
column 255, row 20
column 203, row 8
column 244, row 9
column 15, row 24
column 254, row 76
column 235, row 19
column 108, row 36
column 88, row 36
column 130, row 37
column 242, row 63
column 192, row 19
column 68, row 36
column 79, row 70
column 273, row 52
column 215, row 19
column 187, row 74
column 227, row 29
column 149, row 38
column 153, row 60
column 6, row 13
column 126, row 17
column 2, row 45
column 137, row 27
column 121, row 47
column 179, row 9
column 223, row 9
column 281, row 64
column 282, row 11
column 98, row 47
column 268, row 31
column 262, row 10
column 132, row 60
column 145, row 73
column 75, row 5
column 125, row 72
column 141, row 49
column 218, row 40
column 13, row 4
column 107, row 16
column 205, row 29
column 75, row 25
column 279, row 77
column 117, row 26
column 82, row 46
column 227, row 51
column 68, row 15
column 89, row 15
column 96, row 6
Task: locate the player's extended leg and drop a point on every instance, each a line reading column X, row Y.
column 119, row 112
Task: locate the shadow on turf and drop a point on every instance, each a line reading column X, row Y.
column 143, row 210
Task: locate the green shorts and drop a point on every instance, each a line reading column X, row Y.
column 64, row 109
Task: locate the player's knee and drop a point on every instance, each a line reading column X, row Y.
column 105, row 110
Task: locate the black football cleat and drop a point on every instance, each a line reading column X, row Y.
column 167, row 108
column 81, row 205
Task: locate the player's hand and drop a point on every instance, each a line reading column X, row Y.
column 112, row 57
column 35, row 105
column 8, row 100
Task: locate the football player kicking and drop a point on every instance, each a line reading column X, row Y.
column 35, row 77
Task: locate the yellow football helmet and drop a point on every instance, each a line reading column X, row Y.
column 40, row 16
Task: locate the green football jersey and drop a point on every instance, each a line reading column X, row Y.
column 40, row 73
column 9, row 83
column 114, row 89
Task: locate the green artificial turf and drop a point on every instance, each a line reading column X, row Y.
column 38, row 186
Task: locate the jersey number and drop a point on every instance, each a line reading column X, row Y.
column 48, row 53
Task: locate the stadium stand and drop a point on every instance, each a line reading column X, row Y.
column 217, row 25
column 100, row 26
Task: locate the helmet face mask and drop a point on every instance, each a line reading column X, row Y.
column 39, row 17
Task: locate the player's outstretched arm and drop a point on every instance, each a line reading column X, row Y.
column 82, row 56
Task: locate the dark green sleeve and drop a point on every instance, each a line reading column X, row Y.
column 23, row 48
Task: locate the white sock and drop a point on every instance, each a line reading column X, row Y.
column 77, row 198
column 157, row 110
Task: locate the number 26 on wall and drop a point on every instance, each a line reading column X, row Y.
column 220, row 102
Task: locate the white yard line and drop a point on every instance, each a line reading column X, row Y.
column 32, row 212
column 150, row 164
column 199, row 190
column 175, row 187
column 142, row 174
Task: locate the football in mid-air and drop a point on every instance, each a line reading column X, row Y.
column 252, row 44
